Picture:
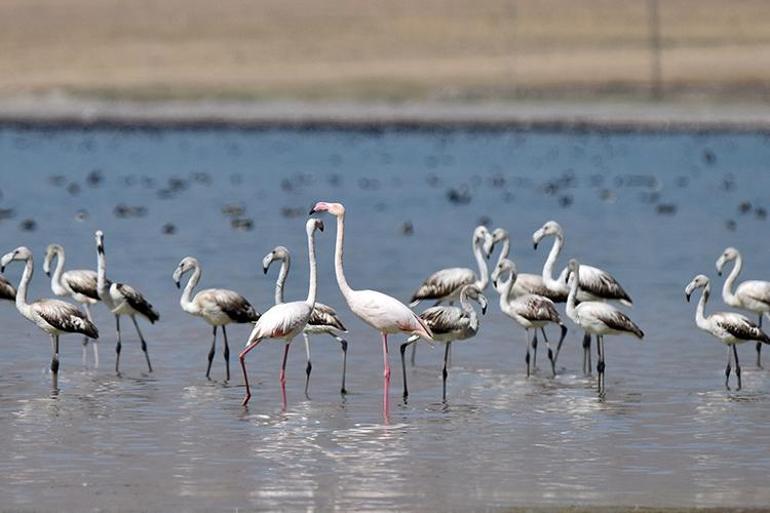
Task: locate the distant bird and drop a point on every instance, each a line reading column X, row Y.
column 449, row 324
column 79, row 284
column 285, row 321
column 53, row 316
column 595, row 284
column 122, row 299
column 323, row 320
column 597, row 318
column 7, row 291
column 380, row 311
column 530, row 311
column 730, row 328
column 753, row 295
column 445, row 285
column 218, row 307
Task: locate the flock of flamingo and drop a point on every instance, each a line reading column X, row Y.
column 528, row 299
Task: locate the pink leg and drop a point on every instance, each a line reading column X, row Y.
column 283, row 374
column 242, row 357
column 386, row 374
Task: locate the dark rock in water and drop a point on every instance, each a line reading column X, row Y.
column 731, row 225
column 94, row 178
column 168, row 229
column 28, row 225
column 744, row 207
column 73, row 188
column 292, row 213
column 460, row 196
column 566, row 200
column 176, row 184
column 233, row 210
column 57, row 180
column 760, row 213
column 242, row 223
column 485, row 221
column 124, row 211
column 81, row 215
column 667, row 209
column 6, row 213
column 407, row 228
column 497, row 181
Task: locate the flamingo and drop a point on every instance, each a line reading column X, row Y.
column 79, row 284
column 122, row 299
column 384, row 313
column 284, row 321
column 323, row 320
column 53, row 316
column 595, row 284
column 449, row 324
column 752, row 295
column 218, row 307
column 597, row 318
column 7, row 291
column 730, row 328
column 530, row 311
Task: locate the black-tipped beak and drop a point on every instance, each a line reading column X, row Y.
column 719, row 273
column 484, row 310
column 2, row 268
column 48, row 273
column 687, row 295
column 264, row 269
column 177, row 284
column 312, row 211
column 494, row 283
column 534, row 245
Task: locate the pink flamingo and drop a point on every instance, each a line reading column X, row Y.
column 285, row 321
column 380, row 311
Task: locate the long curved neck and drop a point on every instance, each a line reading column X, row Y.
column 551, row 261
column 505, row 291
column 572, row 297
column 311, row 290
column 281, row 281
column 186, row 300
column 727, row 288
column 56, row 283
column 101, row 275
column 506, row 249
column 339, row 271
column 469, row 311
column 483, row 280
column 21, row 293
column 700, row 317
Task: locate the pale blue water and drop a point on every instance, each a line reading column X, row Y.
column 667, row 433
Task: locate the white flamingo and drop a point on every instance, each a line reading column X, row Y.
column 284, row 321
column 323, row 321
column 595, row 284
column 449, row 324
column 730, row 328
column 530, row 311
column 380, row 311
column 218, row 307
column 597, row 318
column 122, row 299
column 53, row 316
column 751, row 295
column 79, row 284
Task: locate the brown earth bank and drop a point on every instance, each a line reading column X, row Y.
column 395, row 50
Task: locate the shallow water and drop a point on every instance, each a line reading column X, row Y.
column 666, row 434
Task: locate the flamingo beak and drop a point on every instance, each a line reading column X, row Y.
column 177, row 284
column 484, row 310
column 48, row 273
column 687, row 295
column 719, row 273
column 534, row 245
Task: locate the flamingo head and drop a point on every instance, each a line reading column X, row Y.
column 699, row 282
column 335, row 209
column 99, row 235
column 505, row 266
column 51, row 251
column 727, row 255
column 278, row 253
column 482, row 238
column 573, row 270
column 498, row 234
column 187, row 264
column 549, row 228
column 314, row 224
column 21, row 253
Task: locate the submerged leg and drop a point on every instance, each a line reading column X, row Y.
column 561, row 341
column 526, row 358
column 737, row 366
column 386, row 376
column 211, row 353
column 309, row 367
column 534, row 351
column 600, row 366
column 86, row 339
column 144, row 344
column 728, row 368
column 55, row 362
column 227, row 354
column 344, row 344
column 242, row 358
column 412, row 358
column 587, row 353
column 282, row 377
column 444, row 372
column 759, row 347
column 551, row 357
column 403, row 347
column 117, row 346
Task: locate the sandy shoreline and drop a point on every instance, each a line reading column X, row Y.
column 59, row 111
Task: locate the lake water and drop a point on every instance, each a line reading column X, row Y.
column 667, row 433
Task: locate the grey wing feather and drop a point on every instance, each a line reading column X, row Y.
column 65, row 317
column 444, row 319
column 619, row 321
column 83, row 282
column 324, row 315
column 236, row 306
column 602, row 284
column 538, row 308
column 137, row 301
column 742, row 328
column 7, row 291
column 443, row 283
